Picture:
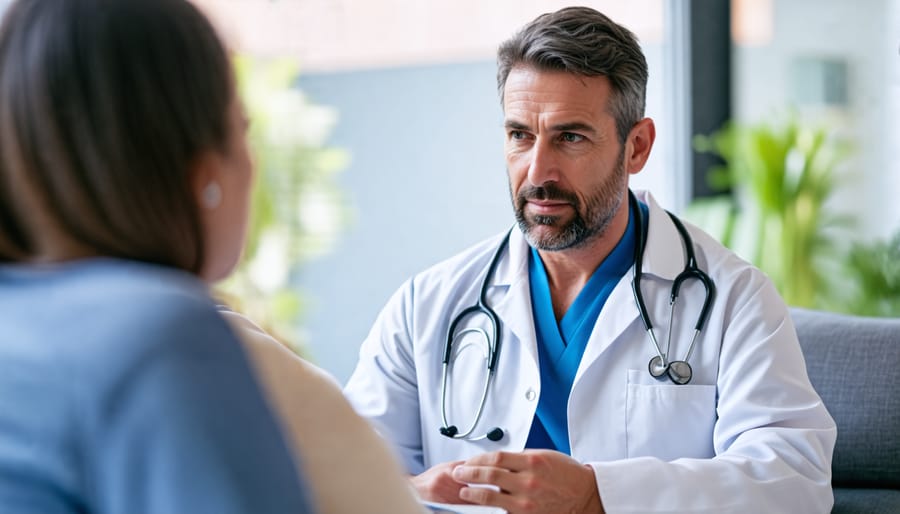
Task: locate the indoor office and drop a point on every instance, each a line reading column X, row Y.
column 380, row 149
column 400, row 131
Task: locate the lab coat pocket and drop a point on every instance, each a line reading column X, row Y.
column 668, row 421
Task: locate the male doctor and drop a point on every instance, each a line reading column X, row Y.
column 573, row 418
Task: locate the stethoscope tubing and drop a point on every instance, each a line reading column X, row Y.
column 493, row 344
column 445, row 371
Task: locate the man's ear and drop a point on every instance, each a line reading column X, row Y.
column 638, row 145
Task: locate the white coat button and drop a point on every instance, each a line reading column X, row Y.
column 530, row 395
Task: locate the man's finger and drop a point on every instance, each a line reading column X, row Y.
column 513, row 461
column 514, row 504
column 488, row 496
column 502, row 478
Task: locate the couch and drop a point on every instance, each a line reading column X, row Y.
column 854, row 364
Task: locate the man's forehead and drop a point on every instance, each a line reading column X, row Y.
column 558, row 95
column 554, row 84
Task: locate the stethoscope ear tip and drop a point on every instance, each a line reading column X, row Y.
column 450, row 431
column 495, row 434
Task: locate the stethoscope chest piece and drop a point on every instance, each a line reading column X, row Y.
column 657, row 367
column 679, row 372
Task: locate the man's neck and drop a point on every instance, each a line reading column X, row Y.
column 569, row 270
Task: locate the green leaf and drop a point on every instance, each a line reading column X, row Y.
column 781, row 174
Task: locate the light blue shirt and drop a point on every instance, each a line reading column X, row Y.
column 123, row 391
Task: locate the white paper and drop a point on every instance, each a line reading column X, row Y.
column 452, row 508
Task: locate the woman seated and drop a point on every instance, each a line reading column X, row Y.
column 124, row 186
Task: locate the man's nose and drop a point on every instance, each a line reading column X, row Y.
column 544, row 165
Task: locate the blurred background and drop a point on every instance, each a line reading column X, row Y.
column 776, row 131
column 377, row 131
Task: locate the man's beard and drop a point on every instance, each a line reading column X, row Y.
column 589, row 221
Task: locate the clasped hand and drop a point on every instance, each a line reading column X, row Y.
column 531, row 481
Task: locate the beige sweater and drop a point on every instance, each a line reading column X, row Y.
column 346, row 464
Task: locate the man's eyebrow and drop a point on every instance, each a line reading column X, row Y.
column 562, row 127
column 515, row 125
column 575, row 126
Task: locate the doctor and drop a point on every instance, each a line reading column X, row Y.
column 572, row 406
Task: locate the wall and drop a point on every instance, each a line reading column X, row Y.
column 890, row 55
column 864, row 35
column 426, row 179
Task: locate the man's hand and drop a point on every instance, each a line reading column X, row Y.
column 532, row 481
column 437, row 484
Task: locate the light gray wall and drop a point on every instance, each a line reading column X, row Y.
column 891, row 120
column 427, row 179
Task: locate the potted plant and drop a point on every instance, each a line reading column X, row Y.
column 780, row 176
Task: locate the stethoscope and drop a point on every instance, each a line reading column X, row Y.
column 678, row 371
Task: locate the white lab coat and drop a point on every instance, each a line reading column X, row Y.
column 748, row 434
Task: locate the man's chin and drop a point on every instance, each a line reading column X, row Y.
column 545, row 237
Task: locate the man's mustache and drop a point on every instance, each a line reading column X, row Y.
column 548, row 192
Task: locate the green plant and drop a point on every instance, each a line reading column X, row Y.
column 780, row 175
column 874, row 269
column 297, row 208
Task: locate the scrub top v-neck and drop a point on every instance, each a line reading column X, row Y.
column 561, row 344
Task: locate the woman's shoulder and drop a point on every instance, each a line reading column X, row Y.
column 102, row 312
column 278, row 363
column 126, row 283
column 98, row 348
column 98, row 283
column 339, row 448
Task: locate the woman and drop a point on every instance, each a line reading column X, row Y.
column 124, row 184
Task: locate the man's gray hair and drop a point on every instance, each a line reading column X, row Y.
column 582, row 41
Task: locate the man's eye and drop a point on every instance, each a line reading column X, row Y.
column 516, row 134
column 569, row 137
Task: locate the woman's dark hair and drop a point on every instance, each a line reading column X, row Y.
column 104, row 106
column 582, row 41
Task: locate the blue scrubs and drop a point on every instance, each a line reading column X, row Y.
column 561, row 345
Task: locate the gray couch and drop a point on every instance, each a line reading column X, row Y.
column 854, row 364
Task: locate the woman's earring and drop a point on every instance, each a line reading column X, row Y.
column 212, row 195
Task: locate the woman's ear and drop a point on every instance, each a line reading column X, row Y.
column 205, row 182
column 638, row 145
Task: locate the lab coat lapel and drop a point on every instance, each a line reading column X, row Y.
column 514, row 307
column 664, row 254
column 618, row 313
